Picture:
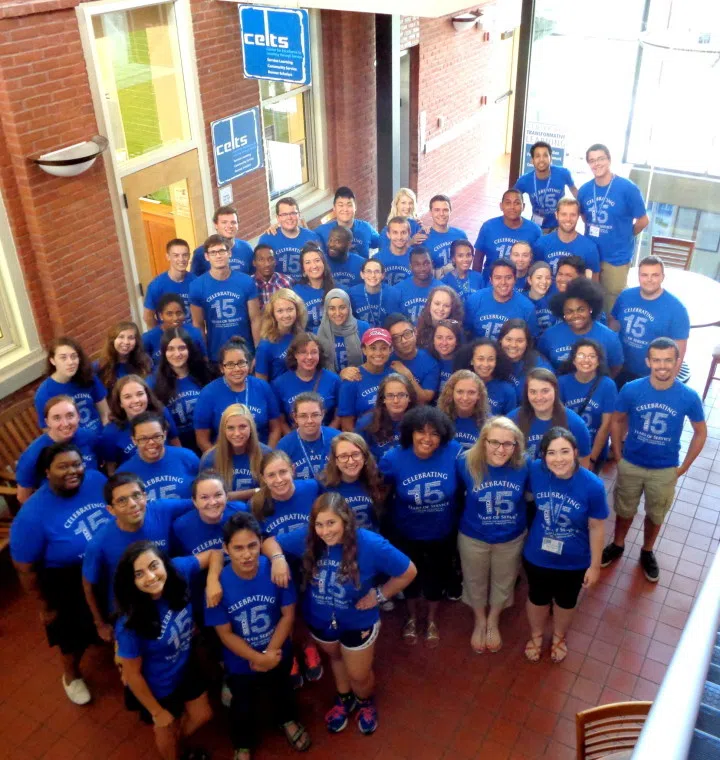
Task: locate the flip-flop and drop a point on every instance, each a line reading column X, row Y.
column 533, row 648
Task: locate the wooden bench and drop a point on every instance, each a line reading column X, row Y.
column 18, row 429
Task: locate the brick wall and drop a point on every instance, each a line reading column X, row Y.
column 409, row 31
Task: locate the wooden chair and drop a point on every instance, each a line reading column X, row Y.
column 18, row 429
column 610, row 731
column 711, row 373
column 673, row 252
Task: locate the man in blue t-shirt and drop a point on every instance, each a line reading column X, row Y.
column 345, row 266
column 567, row 241
column 614, row 214
column 414, row 363
column 414, row 292
column 642, row 314
column 498, row 235
column 365, row 236
column 287, row 237
column 651, row 411
column 226, row 224
column 545, row 185
column 224, row 303
column 441, row 235
column 176, row 280
column 395, row 258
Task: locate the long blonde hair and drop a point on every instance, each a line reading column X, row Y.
column 476, row 457
column 446, row 402
column 403, row 191
column 269, row 328
column 224, row 450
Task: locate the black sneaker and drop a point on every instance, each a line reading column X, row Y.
column 610, row 553
column 649, row 565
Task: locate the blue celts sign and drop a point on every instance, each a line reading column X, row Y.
column 237, row 145
column 276, row 44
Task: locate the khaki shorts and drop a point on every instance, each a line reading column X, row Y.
column 614, row 280
column 657, row 485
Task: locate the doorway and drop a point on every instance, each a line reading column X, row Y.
column 163, row 201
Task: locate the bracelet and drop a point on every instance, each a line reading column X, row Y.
column 380, row 596
column 279, row 555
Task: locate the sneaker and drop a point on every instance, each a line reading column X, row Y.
column 295, row 675
column 649, row 565
column 77, row 691
column 313, row 663
column 367, row 717
column 388, row 606
column 225, row 695
column 336, row 719
column 610, row 553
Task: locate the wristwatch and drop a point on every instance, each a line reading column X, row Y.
column 380, row 596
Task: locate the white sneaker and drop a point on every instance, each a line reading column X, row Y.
column 77, row 691
column 225, row 695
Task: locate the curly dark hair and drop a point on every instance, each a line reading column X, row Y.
column 464, row 358
column 582, row 289
column 198, row 366
column 568, row 366
column 426, row 416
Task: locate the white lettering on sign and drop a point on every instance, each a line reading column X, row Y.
column 266, row 40
column 230, row 145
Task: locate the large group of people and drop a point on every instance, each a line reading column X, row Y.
column 340, row 421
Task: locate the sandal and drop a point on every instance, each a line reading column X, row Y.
column 493, row 639
column 409, row 631
column 558, row 649
column 477, row 640
column 242, row 754
column 300, row 739
column 533, row 648
column 432, row 635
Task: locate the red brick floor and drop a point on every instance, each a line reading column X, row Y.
column 448, row 703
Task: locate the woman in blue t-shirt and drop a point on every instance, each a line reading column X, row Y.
column 340, row 567
column 423, row 509
column 563, row 550
column 537, row 289
column 464, row 400
column 70, row 374
column 340, row 332
column 484, row 358
column 183, row 371
column 315, row 283
column 517, row 344
column 492, row 526
column 443, row 304
column 122, row 354
column 153, row 635
column 48, row 538
column 586, row 388
column 447, row 339
column 283, row 318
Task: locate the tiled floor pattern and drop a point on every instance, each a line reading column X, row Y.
column 446, row 703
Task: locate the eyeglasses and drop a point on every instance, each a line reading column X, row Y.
column 588, row 357
column 447, row 323
column 144, row 439
column 288, row 214
column 135, row 496
column 403, row 336
column 306, row 417
column 217, row 252
column 356, row 456
column 595, row 161
column 396, row 396
column 495, row 444
column 235, row 365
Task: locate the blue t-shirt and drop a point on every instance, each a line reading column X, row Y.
column 415, row 225
column 331, row 597
column 545, row 317
column 495, row 512
column 365, row 236
column 164, row 658
column 485, row 316
column 397, row 268
column 359, row 397
column 611, row 210
column 289, row 386
column 518, row 374
column 241, row 256
column 170, row 477
column 308, row 457
column 423, row 506
column 377, row 449
column 603, row 400
column 465, row 287
column 438, row 243
column 181, row 407
column 270, row 356
column 496, row 239
column 466, row 431
column 287, row 250
column 538, row 428
column 642, row 320
column 293, row 513
column 359, row 500
column 655, row 421
column 243, row 479
column 564, row 507
column 163, row 284
column 314, row 299
column 545, row 193
column 501, row 397
column 225, row 306
column 557, row 341
column 191, row 535
column 116, row 444
column 373, row 308
column 26, row 469
column 54, row 530
column 346, row 273
column 413, row 297
column 341, row 349
column 253, row 607
column 84, row 398
column 217, row 396
column 551, row 249
column 151, row 340
column 446, row 371
column 424, row 367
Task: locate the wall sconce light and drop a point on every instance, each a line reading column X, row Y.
column 73, row 160
column 465, row 21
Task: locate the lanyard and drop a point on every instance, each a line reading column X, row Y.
column 602, row 200
column 541, row 205
column 463, row 284
column 247, row 392
column 374, row 318
column 313, row 469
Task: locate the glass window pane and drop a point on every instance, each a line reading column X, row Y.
column 141, row 79
column 270, row 89
column 286, row 143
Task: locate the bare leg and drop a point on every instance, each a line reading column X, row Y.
column 537, row 617
column 358, row 666
column 650, row 534
column 412, row 606
column 622, row 526
column 71, row 666
column 197, row 713
column 166, row 740
column 340, row 673
column 432, row 611
column 477, row 640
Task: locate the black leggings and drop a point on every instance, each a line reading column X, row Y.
column 433, row 560
column 245, row 706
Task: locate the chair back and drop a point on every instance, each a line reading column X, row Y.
column 673, row 252
column 18, row 429
column 603, row 732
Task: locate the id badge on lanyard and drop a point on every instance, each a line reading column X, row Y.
column 553, row 545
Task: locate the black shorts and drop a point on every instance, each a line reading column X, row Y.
column 550, row 585
column 192, row 686
column 73, row 629
column 357, row 639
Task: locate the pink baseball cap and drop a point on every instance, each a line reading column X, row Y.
column 374, row 334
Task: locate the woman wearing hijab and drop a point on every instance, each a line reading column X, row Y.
column 340, row 332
